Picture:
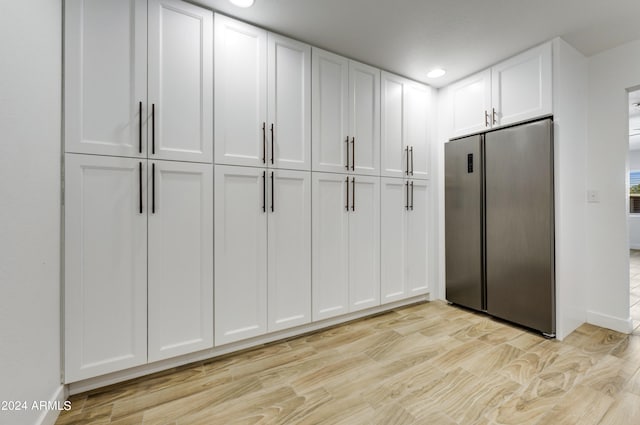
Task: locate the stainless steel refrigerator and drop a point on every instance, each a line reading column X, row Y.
column 499, row 224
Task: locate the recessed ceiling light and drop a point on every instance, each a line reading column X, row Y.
column 242, row 3
column 436, row 73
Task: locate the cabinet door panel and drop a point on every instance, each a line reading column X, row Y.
column 105, row 265
column 180, row 258
column 330, row 227
column 180, row 81
column 417, row 129
column 240, row 254
column 392, row 125
column 289, row 103
column 364, row 243
column 105, row 76
column 330, row 80
column 289, row 253
column 240, row 84
column 364, row 107
column 393, row 244
column 418, row 238
column 521, row 86
column 471, row 100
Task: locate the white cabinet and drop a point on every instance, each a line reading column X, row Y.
column 512, row 91
column 471, row 99
column 405, row 127
column 521, row 87
column 404, row 238
column 180, row 81
column 346, row 115
column 180, row 298
column 289, row 249
column 240, row 253
column 262, row 85
column 345, row 238
column 117, row 50
column 105, row 296
column 289, row 94
column 255, row 274
column 138, row 262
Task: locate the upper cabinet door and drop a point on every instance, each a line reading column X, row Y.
column 240, row 85
column 417, row 98
column 418, row 238
column 180, row 106
column 471, row 101
column 105, row 79
column 330, row 244
column 289, row 252
column 364, row 118
column 240, row 253
column 180, row 220
column 393, row 156
column 105, row 265
column 364, row 243
column 330, row 93
column 289, row 94
column 521, row 86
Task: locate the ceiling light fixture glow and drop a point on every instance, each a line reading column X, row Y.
column 242, row 3
column 436, row 73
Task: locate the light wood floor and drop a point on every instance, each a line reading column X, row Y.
column 426, row 364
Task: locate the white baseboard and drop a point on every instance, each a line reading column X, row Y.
column 610, row 322
column 49, row 417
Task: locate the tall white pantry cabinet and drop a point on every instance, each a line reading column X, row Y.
column 262, row 182
column 181, row 236
column 138, row 217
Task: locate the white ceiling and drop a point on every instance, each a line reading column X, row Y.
column 410, row 37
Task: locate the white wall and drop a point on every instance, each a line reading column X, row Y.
column 611, row 73
column 30, row 97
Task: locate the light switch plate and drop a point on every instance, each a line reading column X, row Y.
column 593, row 196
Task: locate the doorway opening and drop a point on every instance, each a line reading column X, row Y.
column 633, row 185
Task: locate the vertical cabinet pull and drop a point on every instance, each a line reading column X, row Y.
column 353, row 153
column 153, row 129
column 406, row 150
column 353, row 194
column 411, row 150
column 411, row 196
column 494, row 116
column 406, row 186
column 347, row 142
column 264, row 143
column 347, row 203
column 486, row 118
column 153, row 188
column 272, row 143
column 272, row 208
column 140, row 127
column 264, row 191
column 140, row 185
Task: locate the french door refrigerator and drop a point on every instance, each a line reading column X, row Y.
column 499, row 224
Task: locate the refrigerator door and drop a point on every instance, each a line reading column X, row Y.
column 520, row 225
column 463, row 222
